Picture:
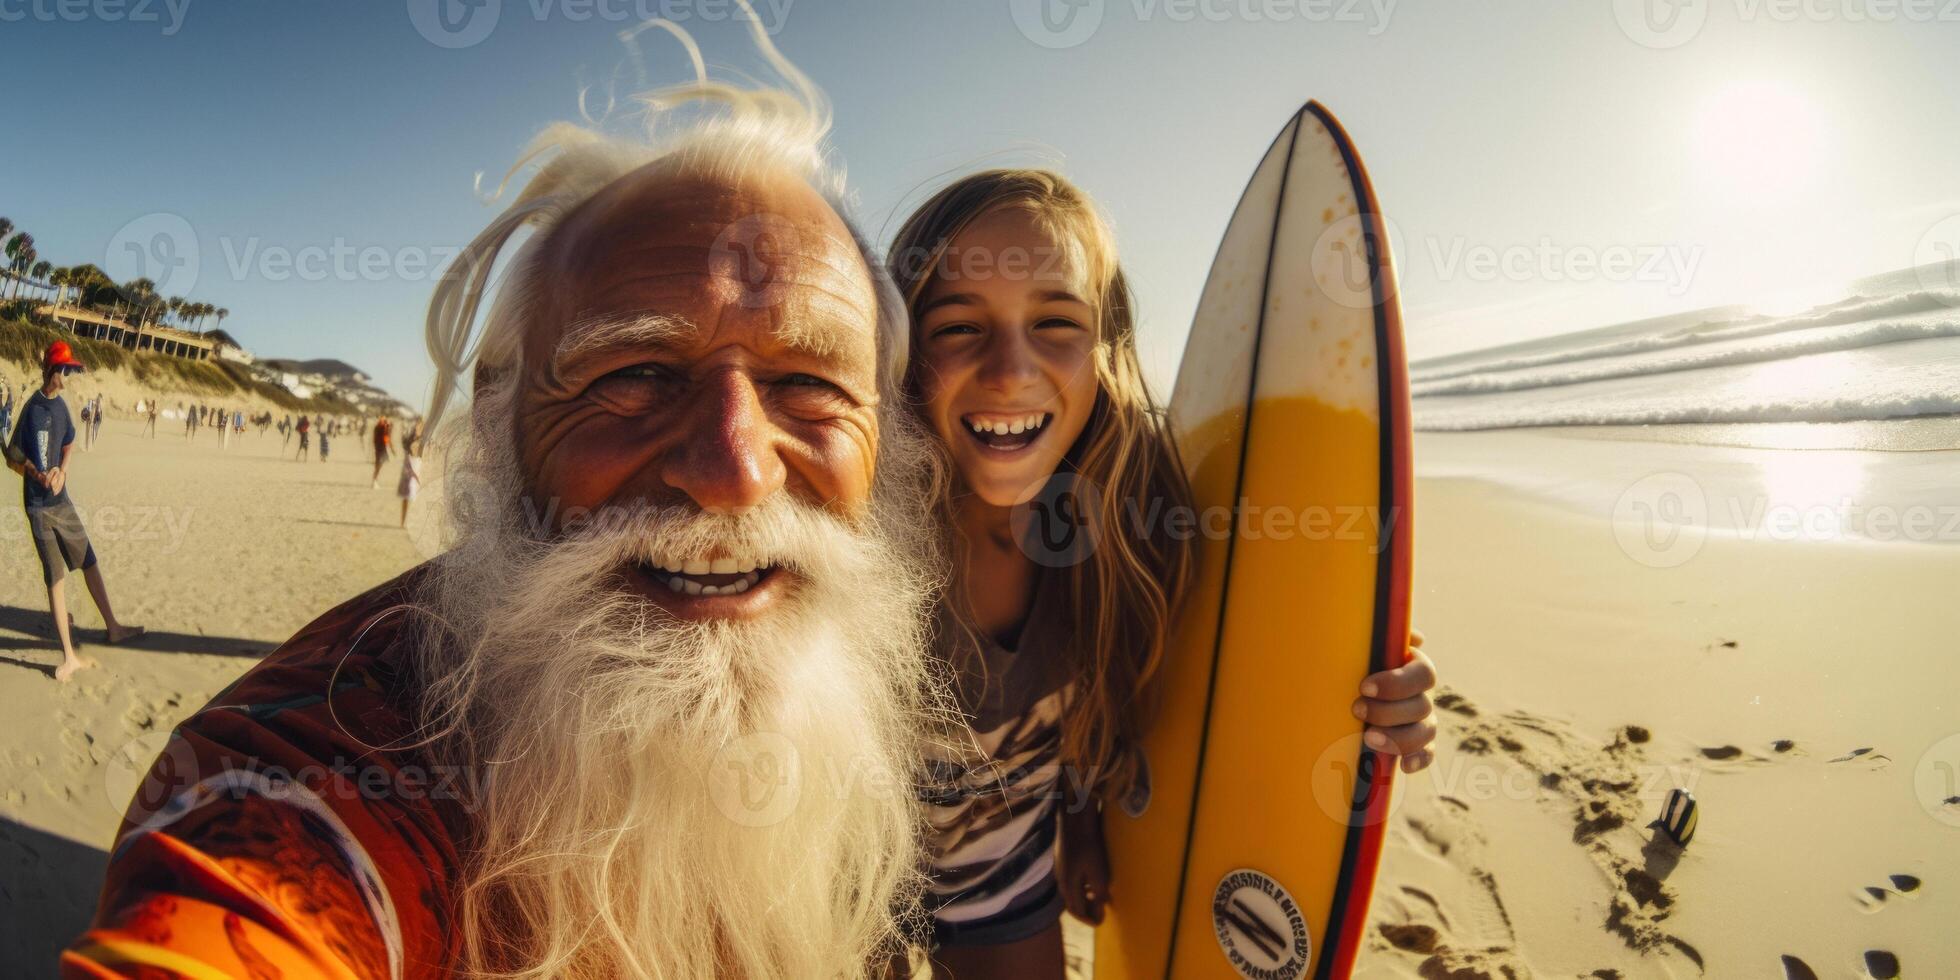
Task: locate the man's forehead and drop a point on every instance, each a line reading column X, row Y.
column 657, row 243
column 762, row 226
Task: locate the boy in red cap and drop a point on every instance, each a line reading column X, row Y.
column 39, row 451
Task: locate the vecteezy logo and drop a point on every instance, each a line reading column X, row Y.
column 1057, row 527
column 163, row 246
column 1345, row 777
column 1661, row 520
column 1346, row 255
column 454, row 23
column 751, row 252
column 1937, row 257
column 1661, row 24
column 1936, row 780
column 1260, row 927
column 756, row 780
column 147, row 772
column 1057, row 23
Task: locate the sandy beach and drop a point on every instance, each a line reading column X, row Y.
column 221, row 554
column 1802, row 685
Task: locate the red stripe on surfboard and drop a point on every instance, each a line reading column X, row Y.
column 1358, row 885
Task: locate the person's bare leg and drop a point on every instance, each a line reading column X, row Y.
column 1038, row 957
column 99, row 590
column 404, row 513
column 58, row 607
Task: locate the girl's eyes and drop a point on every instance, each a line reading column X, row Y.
column 968, row 329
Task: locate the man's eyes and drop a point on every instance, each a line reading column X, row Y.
column 638, row 378
column 643, row 372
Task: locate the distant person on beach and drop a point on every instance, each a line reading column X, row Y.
column 383, row 430
column 411, row 480
column 39, row 452
column 305, row 428
column 150, row 423
column 6, row 409
column 324, row 430
column 87, row 436
column 95, row 423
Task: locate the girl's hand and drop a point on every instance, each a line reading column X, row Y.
column 1082, row 862
column 1395, row 704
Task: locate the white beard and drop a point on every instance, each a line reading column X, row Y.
column 679, row 800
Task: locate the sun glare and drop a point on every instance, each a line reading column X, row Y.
column 1757, row 143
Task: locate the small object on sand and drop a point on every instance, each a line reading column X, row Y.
column 1679, row 815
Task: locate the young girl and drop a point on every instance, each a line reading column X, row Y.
column 1024, row 364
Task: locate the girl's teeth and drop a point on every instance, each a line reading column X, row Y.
column 723, row 566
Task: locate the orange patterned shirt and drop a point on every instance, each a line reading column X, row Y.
column 287, row 830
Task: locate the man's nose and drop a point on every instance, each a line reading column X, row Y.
column 726, row 459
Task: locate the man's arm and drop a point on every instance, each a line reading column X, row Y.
column 270, row 840
column 16, row 459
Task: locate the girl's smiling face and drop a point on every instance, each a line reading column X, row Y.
column 1006, row 354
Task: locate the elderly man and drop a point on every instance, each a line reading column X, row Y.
column 653, row 713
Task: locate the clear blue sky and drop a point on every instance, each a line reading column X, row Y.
column 1738, row 155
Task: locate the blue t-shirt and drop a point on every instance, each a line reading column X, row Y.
column 44, row 429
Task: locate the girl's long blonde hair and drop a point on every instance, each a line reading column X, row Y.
column 1123, row 595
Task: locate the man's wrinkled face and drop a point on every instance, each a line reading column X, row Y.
column 705, row 345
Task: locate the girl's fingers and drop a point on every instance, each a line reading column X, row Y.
column 1415, row 637
column 1401, row 739
column 1417, row 761
column 1388, row 714
column 1407, row 681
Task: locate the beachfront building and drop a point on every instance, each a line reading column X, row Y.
column 229, row 348
column 149, row 337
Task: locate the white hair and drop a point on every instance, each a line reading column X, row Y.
column 704, row 128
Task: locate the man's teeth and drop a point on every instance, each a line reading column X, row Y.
column 710, row 566
column 691, row 587
column 1008, row 426
column 679, row 574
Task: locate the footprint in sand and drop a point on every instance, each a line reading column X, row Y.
column 1474, row 943
column 1881, row 964
column 1796, row 969
column 1867, row 756
column 1873, row 897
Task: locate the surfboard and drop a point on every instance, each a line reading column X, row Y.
column 1255, row 853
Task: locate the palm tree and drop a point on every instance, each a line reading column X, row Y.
column 222, row 313
column 20, row 255
column 6, row 228
column 41, row 270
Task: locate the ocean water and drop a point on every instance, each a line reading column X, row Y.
column 1889, row 349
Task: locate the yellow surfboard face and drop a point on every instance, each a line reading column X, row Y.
column 1251, row 854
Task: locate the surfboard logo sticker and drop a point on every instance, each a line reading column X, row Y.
column 1260, row 927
